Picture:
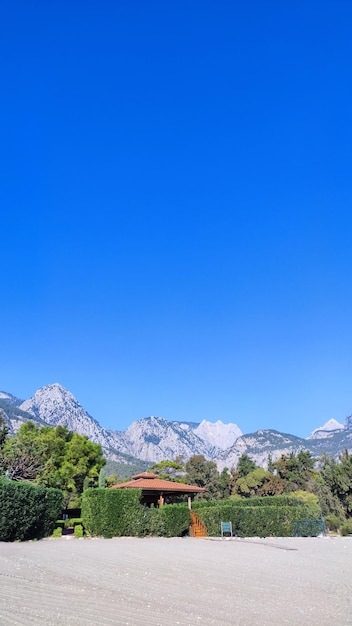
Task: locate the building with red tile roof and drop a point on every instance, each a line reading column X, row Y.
column 155, row 489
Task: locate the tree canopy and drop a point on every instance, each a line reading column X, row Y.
column 169, row 470
column 296, row 470
column 52, row 457
column 205, row 474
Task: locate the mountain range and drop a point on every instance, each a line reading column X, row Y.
column 152, row 439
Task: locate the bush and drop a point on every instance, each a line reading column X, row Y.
column 57, row 532
column 78, row 531
column 27, row 511
column 346, row 528
column 333, row 522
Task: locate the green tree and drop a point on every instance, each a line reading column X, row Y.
column 22, row 457
column 259, row 482
column 343, row 481
column 272, row 486
column 225, row 483
column 205, row 474
column 249, row 484
column 52, row 457
column 78, row 469
column 295, row 470
column 169, row 470
column 323, row 485
column 110, row 480
column 4, row 431
column 270, row 464
column 245, row 465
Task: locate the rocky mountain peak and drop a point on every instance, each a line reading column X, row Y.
column 57, row 406
column 218, row 434
column 322, row 431
column 155, row 438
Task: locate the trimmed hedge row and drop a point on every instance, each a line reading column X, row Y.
column 27, row 511
column 283, row 500
column 172, row 520
column 112, row 512
column 255, row 517
column 118, row 512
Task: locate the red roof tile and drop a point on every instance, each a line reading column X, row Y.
column 152, row 482
column 145, row 475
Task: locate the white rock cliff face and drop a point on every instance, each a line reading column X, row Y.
column 58, row 406
column 156, row 439
column 218, row 434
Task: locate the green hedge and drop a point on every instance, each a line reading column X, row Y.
column 254, row 517
column 78, row 531
column 68, row 523
column 118, row 512
column 112, row 512
column 262, row 501
column 172, row 520
column 73, row 522
column 27, row 511
column 60, row 523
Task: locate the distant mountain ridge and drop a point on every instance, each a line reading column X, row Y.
column 153, row 439
column 10, row 399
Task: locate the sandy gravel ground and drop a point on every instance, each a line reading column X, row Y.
column 164, row 582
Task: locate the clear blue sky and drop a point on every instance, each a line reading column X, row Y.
column 175, row 190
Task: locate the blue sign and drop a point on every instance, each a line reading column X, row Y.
column 226, row 528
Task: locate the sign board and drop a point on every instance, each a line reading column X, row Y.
column 226, row 529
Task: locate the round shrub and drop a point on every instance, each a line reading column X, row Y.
column 78, row 531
